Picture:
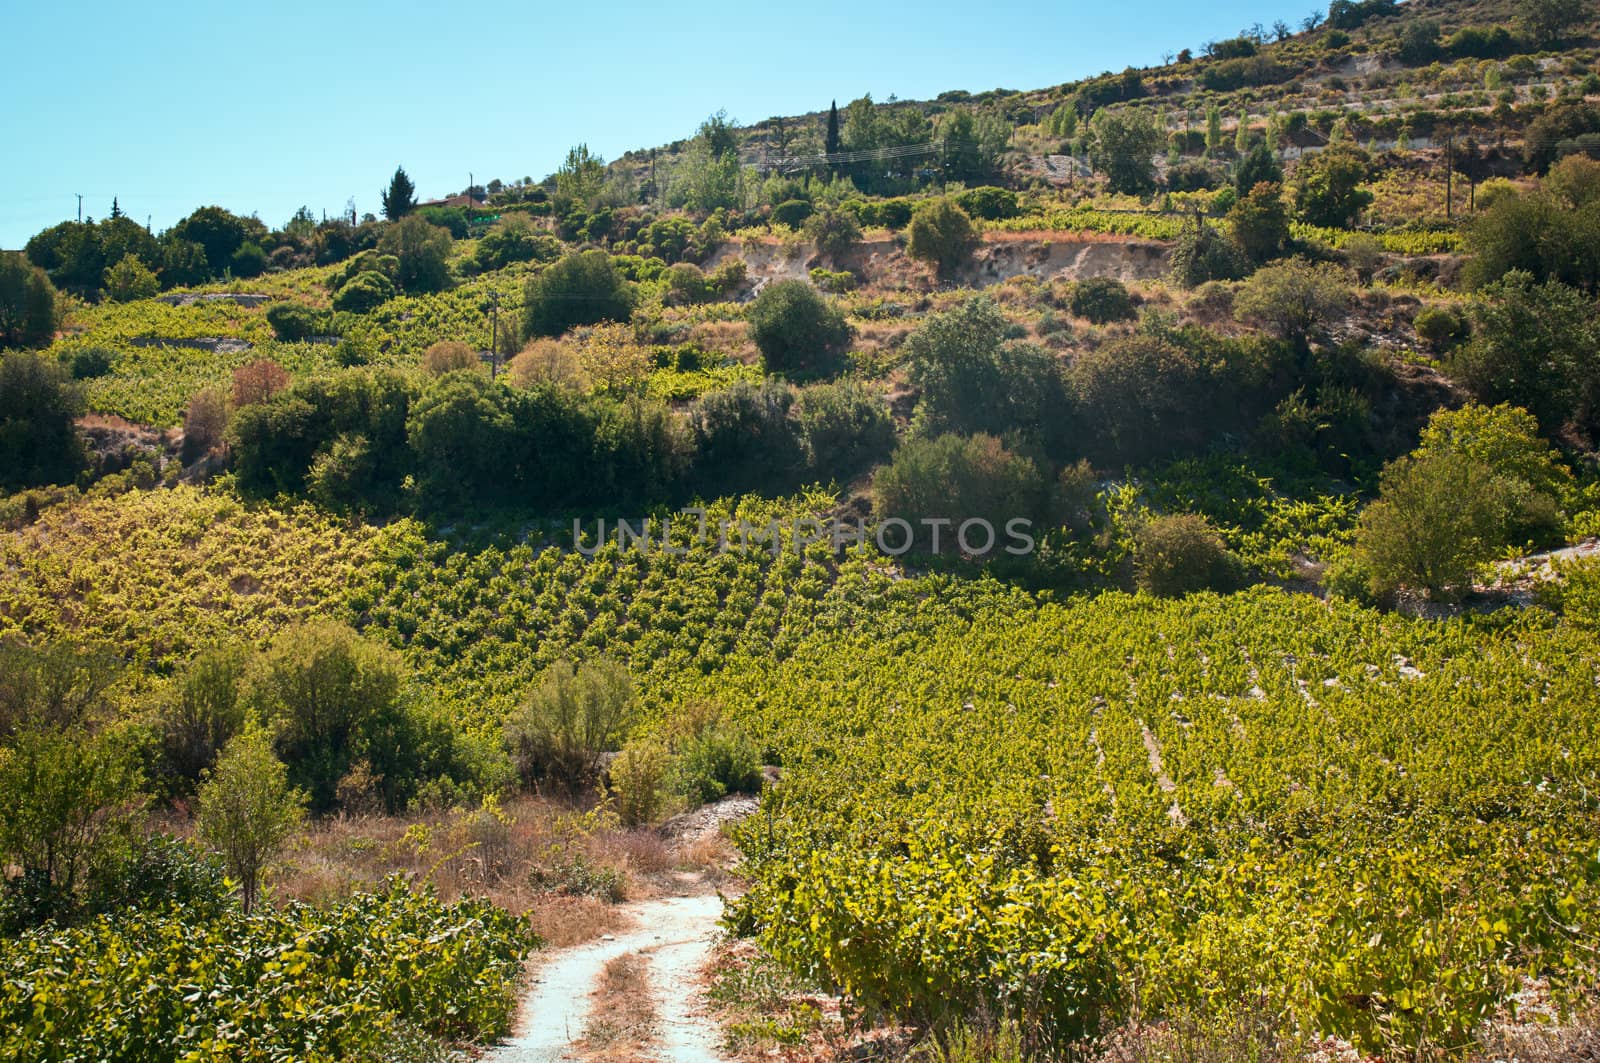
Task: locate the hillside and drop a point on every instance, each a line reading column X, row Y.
column 1041, row 564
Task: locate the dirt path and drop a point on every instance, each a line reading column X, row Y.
column 674, row 935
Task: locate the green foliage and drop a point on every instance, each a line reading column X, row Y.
column 1101, row 300
column 1294, row 298
column 422, row 251
column 942, row 235
column 39, row 407
column 834, row 230
column 955, row 479
column 131, row 279
column 574, row 714
column 844, row 427
column 797, row 329
column 583, row 288
column 364, row 293
column 1125, row 145
column 204, row 711
column 220, row 233
column 321, row 985
column 1259, row 222
column 1536, row 346
column 1203, row 254
column 791, row 212
column 1328, row 187
column 1552, row 233
column 1260, row 165
column 746, row 439
column 715, row 761
column 292, row 321
column 1436, row 518
column 27, row 303
column 1181, row 554
column 1440, row 327
column 1547, row 21
column 514, row 239
column 247, row 810
column 400, row 198
column 988, row 202
column 636, row 782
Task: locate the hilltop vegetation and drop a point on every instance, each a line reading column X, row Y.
column 1093, row 500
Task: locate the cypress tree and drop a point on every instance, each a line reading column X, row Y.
column 831, row 144
column 400, row 198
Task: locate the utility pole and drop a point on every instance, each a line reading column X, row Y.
column 494, row 334
column 80, row 206
column 471, row 199
column 1449, row 171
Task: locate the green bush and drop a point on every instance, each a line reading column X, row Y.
column 797, row 330
column 364, row 292
column 1181, row 553
column 834, row 231
column 746, row 440
column 423, row 253
column 1101, row 300
column 574, row 714
column 942, row 235
column 39, row 408
column 249, row 261
column 957, row 479
column 292, row 321
column 988, row 202
column 1440, row 327
column 583, row 288
column 844, row 428
column 91, row 363
column 717, row 761
column 791, row 212
column 1202, row 254
column 27, row 303
column 636, row 782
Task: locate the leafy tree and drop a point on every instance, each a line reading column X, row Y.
column 247, row 810
column 219, row 232
column 1536, row 346
column 57, row 685
column 1203, row 254
column 574, row 714
column 613, row 360
column 462, row 435
column 27, row 303
column 1101, row 300
column 1548, row 21
column 796, row 328
column 183, row 262
column 844, row 428
column 942, row 235
column 249, row 261
column 972, row 381
column 1528, row 472
column 205, row 423
column 1124, row 148
column 205, row 711
column 1328, row 188
column 364, row 292
column 130, row 279
column 583, row 288
column 39, row 408
column 1261, row 164
column 745, row 439
column 449, row 356
column 1436, row 517
column 973, row 143
column 1293, row 298
column 320, row 687
column 579, row 180
column 957, row 479
column 834, row 230
column 423, row 251
column 1559, row 132
column 514, row 239
column 258, row 381
column 400, row 198
column 293, row 321
column 1259, row 223
column 1552, row 233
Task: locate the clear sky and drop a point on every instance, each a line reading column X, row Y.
column 262, row 107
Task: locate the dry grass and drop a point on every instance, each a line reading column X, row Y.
column 728, row 338
column 622, row 1016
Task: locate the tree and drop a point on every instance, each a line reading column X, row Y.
column 364, row 292
column 579, row 180
column 1259, row 223
column 318, row 687
column 957, row 479
column 248, row 810
column 972, row 381
column 1293, row 298
column 797, row 329
column 1203, row 254
column 206, row 711
column 942, row 235
column 400, row 198
column 1547, row 21
column 219, row 233
column 1328, row 188
column 1436, row 517
column 1536, row 346
column 613, row 360
column 27, row 303
column 574, row 714
column 834, row 230
column 583, row 288
column 463, row 438
column 844, row 428
column 745, row 439
column 258, row 381
column 449, row 356
column 1101, row 300
column 830, row 143
column 1124, row 148
column 130, row 279
column 1258, row 166
column 423, row 251
column 39, row 409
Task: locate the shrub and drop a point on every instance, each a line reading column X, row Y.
column 292, row 322
column 844, row 428
column 791, row 212
column 942, row 235
column 131, row 279
column 1440, row 327
column 1202, row 254
column 39, row 408
column 1328, row 188
column 686, row 285
column 1259, row 223
column 27, row 303
column 988, row 202
column 745, row 439
column 575, row 713
column 1363, row 254
column 249, row 261
column 204, row 712
column 1122, row 147
column 258, row 381
column 637, row 783
column 247, row 810
column 834, row 282
column 796, row 329
column 717, row 761
column 1192, row 177
column 1293, row 298
column 1435, row 519
column 583, row 288
column 1101, row 300
column 364, row 292
column 514, row 239
column 1181, row 553
column 449, row 356
column 958, row 479
column 834, row 231
column 423, row 252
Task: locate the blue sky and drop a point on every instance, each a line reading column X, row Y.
column 264, row 107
